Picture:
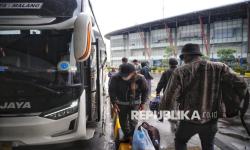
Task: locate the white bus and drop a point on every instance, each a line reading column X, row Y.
column 52, row 58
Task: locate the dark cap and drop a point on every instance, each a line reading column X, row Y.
column 124, row 59
column 173, row 62
column 126, row 69
column 135, row 60
column 143, row 64
column 190, row 49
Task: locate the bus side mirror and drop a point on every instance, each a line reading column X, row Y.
column 82, row 37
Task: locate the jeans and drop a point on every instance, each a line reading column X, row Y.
column 205, row 131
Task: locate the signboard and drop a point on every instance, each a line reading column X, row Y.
column 44, row 8
column 157, row 63
column 21, row 5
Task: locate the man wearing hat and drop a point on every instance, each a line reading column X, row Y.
column 128, row 91
column 196, row 87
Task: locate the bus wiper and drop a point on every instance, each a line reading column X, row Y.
column 70, row 85
column 45, row 88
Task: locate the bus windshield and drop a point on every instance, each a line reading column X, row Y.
column 41, row 56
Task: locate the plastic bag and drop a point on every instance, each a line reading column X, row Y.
column 118, row 134
column 141, row 140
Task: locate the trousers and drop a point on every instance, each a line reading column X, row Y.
column 127, row 124
column 205, row 131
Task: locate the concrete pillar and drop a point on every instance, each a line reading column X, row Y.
column 208, row 36
column 242, row 42
column 248, row 35
column 147, row 40
column 127, row 51
column 148, row 43
column 175, row 42
column 110, row 43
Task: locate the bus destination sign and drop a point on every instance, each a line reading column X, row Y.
column 21, row 5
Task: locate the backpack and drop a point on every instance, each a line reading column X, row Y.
column 146, row 72
column 153, row 133
column 235, row 101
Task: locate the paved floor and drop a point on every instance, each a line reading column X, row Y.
column 104, row 141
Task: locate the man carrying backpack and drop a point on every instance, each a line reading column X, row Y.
column 128, row 91
column 197, row 86
column 166, row 76
column 145, row 71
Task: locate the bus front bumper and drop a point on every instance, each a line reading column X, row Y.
column 36, row 130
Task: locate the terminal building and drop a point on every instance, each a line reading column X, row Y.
column 212, row 29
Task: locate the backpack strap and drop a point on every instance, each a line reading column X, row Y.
column 244, row 108
column 146, row 124
column 244, row 124
column 243, row 111
column 133, row 87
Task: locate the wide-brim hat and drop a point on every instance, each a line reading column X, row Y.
column 126, row 69
column 190, row 49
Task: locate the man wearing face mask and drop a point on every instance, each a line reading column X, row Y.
column 128, row 91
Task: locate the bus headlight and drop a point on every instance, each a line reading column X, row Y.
column 61, row 112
